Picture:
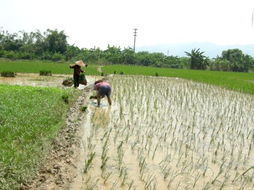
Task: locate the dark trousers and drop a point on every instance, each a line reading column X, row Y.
column 76, row 80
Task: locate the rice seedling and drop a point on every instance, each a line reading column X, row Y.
column 124, row 176
column 130, row 185
column 7, row 74
column 167, row 133
column 45, row 73
column 91, row 184
column 88, row 162
column 105, row 177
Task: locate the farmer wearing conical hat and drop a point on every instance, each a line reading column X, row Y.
column 76, row 71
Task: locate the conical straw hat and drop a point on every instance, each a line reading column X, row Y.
column 80, row 63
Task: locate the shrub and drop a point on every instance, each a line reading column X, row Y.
column 25, row 55
column 10, row 55
column 45, row 56
column 57, row 57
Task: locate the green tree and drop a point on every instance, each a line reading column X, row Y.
column 91, row 55
column 174, row 62
column 197, row 59
column 238, row 61
column 10, row 42
column 128, row 56
column 55, row 42
column 72, row 52
column 113, row 55
column 143, row 58
column 220, row 65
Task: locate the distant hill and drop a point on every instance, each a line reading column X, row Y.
column 209, row 49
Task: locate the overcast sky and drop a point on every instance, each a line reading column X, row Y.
column 90, row 23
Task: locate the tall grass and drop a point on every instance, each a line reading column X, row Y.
column 29, row 119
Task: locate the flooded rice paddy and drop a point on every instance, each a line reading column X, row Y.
column 167, row 133
column 164, row 133
column 33, row 79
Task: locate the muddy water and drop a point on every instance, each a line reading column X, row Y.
column 165, row 133
column 32, row 79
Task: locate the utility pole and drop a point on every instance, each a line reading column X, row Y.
column 135, row 34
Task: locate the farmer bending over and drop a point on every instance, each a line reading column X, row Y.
column 103, row 89
column 76, row 72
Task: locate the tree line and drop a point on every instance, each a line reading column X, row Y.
column 53, row 45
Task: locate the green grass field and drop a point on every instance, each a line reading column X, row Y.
column 30, row 118
column 37, row 66
column 243, row 82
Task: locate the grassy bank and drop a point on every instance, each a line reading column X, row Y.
column 243, row 82
column 37, row 66
column 29, row 119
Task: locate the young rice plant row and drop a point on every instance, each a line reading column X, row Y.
column 169, row 133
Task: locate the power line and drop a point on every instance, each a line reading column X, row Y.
column 135, row 35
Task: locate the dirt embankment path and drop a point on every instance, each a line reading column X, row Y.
column 60, row 168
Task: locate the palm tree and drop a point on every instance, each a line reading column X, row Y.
column 197, row 59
